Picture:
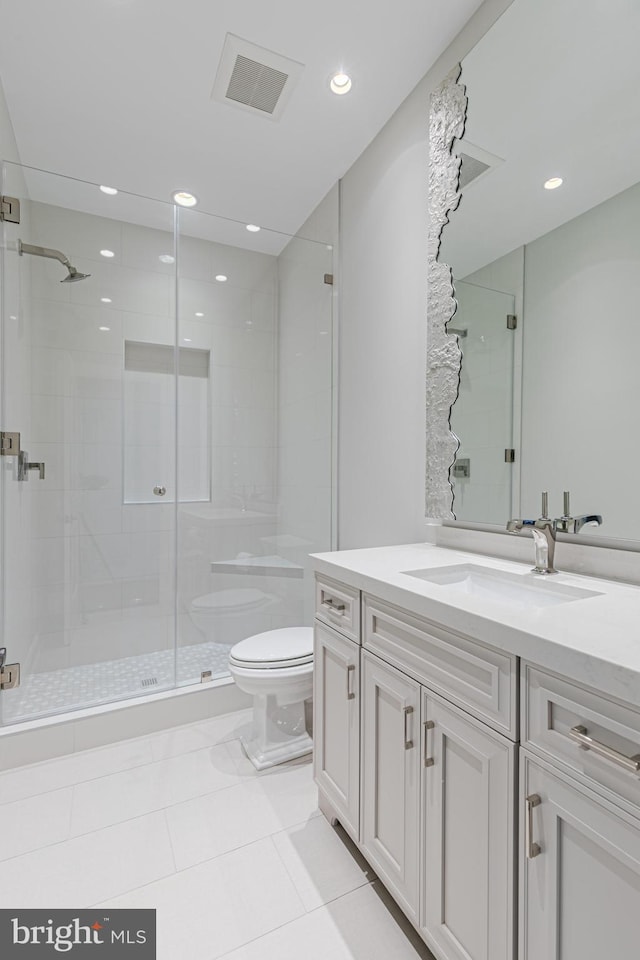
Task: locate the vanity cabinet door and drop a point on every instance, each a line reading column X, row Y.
column 468, row 803
column 336, row 724
column 580, row 872
column 391, row 778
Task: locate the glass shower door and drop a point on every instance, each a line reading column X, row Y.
column 88, row 497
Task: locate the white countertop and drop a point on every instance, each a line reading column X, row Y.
column 595, row 641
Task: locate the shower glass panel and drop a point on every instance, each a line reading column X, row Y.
column 259, row 304
column 482, row 417
column 89, row 577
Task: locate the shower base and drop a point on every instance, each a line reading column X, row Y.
column 42, row 694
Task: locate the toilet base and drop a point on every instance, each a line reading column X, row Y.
column 278, row 733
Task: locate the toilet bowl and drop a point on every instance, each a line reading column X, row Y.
column 276, row 668
column 227, row 616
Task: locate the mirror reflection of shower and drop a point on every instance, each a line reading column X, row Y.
column 35, row 251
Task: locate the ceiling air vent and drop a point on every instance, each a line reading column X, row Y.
column 476, row 162
column 254, row 79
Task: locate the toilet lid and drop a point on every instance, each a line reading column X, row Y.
column 286, row 647
column 230, row 600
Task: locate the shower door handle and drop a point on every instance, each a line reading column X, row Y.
column 24, row 466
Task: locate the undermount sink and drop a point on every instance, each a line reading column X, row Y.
column 502, row 587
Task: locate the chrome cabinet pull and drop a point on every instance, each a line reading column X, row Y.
column 408, row 744
column 334, row 605
column 351, row 669
column 579, row 734
column 428, row 761
column 533, row 849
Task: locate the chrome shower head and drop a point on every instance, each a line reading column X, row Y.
column 36, row 251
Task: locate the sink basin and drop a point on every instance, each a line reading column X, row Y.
column 520, row 590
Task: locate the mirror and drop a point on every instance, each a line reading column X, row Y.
column 552, row 93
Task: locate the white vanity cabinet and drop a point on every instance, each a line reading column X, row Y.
column 336, row 715
column 437, row 772
column 497, row 763
column 580, row 822
column 579, row 871
column 391, row 778
column 468, row 783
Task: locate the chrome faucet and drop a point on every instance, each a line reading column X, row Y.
column 544, row 536
column 544, row 531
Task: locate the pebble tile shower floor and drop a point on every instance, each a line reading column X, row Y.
column 59, row 690
column 238, row 864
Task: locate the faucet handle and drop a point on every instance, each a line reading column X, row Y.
column 566, row 509
column 545, row 506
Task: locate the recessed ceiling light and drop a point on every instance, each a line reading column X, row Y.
column 199, row 314
column 107, row 253
column 340, row 83
column 104, row 329
column 553, row 183
column 105, row 300
column 166, row 258
column 111, row 191
column 253, row 227
column 220, row 277
column 185, row 199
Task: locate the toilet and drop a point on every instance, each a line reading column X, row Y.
column 226, row 616
column 276, row 668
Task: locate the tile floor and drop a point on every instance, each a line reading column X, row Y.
column 238, row 864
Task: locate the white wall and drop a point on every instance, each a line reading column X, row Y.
column 382, row 319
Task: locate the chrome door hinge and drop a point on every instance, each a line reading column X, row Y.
column 9, row 444
column 509, row 455
column 9, row 672
column 10, row 209
column 328, row 278
column 512, row 321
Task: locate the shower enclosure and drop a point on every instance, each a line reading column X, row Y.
column 167, row 441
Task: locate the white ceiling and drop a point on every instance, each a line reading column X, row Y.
column 119, row 92
column 553, row 91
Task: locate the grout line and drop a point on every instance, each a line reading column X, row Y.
column 171, row 846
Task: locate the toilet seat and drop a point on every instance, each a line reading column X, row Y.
column 274, row 649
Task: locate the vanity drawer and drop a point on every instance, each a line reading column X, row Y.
column 480, row 679
column 599, row 739
column 339, row 606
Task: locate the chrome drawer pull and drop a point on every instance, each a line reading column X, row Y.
column 407, row 713
column 334, row 605
column 579, row 734
column 428, row 761
column 351, row 669
column 533, row 849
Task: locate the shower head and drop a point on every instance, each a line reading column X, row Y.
column 36, row 251
column 74, row 275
